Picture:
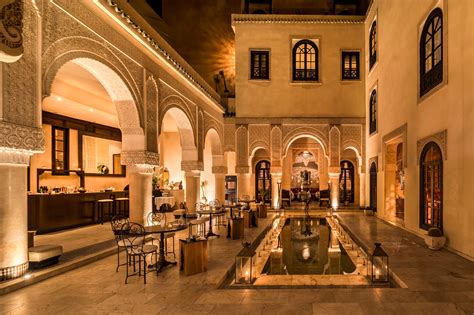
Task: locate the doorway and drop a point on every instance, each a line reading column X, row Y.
column 346, row 183
column 373, row 186
column 263, row 182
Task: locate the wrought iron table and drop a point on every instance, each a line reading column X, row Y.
column 211, row 213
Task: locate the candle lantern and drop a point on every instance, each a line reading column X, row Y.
column 378, row 266
column 245, row 265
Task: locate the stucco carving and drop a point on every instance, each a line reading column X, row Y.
column 151, row 106
column 200, row 136
column 11, row 39
column 229, row 137
column 21, row 138
column 82, row 48
column 131, row 158
column 440, row 138
column 335, row 146
column 20, row 77
column 242, row 149
column 211, row 123
column 276, row 144
column 320, row 132
column 168, row 101
column 259, row 137
column 352, row 137
column 375, row 160
column 188, row 166
column 219, row 169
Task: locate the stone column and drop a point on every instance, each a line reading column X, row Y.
column 362, row 186
column 193, row 189
column 276, row 176
column 220, row 186
column 334, row 194
column 243, row 181
column 141, row 194
column 140, row 166
column 13, row 221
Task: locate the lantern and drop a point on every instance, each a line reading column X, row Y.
column 245, row 265
column 378, row 266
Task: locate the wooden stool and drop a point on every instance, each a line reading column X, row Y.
column 121, row 206
column 236, row 228
column 193, row 256
column 100, row 208
column 250, row 219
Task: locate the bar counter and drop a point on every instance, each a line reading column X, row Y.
column 56, row 212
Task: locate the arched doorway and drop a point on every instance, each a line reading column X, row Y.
column 373, row 186
column 431, row 187
column 346, row 183
column 213, row 158
column 263, row 181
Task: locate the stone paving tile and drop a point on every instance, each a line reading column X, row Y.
column 438, row 283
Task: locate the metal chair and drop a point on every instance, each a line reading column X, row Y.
column 133, row 236
column 117, row 222
column 220, row 218
column 158, row 218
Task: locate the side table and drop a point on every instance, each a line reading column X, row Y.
column 193, row 256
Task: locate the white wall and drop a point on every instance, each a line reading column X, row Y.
column 448, row 108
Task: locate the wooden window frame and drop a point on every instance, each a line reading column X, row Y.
column 306, row 77
column 65, row 169
column 434, row 76
column 259, row 53
column 347, row 73
column 373, row 112
column 373, row 44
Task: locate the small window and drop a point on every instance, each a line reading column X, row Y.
column 259, row 65
column 350, row 65
column 373, row 45
column 431, row 52
column 60, row 150
column 373, row 112
column 305, row 61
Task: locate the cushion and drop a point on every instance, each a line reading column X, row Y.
column 43, row 252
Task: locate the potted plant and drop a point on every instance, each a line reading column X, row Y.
column 435, row 238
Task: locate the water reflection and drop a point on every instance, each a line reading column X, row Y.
column 309, row 247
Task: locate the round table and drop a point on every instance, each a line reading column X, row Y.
column 211, row 213
column 168, row 228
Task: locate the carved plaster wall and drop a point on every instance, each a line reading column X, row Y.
column 318, row 132
column 151, row 114
column 259, row 137
column 242, row 149
column 335, row 147
column 11, row 39
column 276, row 151
column 229, row 137
column 440, row 138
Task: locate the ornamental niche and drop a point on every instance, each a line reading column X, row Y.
column 11, row 40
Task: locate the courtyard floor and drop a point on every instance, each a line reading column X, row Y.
column 437, row 283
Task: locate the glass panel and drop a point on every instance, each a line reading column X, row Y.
column 59, row 134
column 428, row 65
column 428, row 48
column 437, row 56
column 437, row 38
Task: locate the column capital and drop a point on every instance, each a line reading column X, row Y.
column 18, row 143
column 334, row 171
column 219, row 169
column 140, row 157
column 242, row 169
column 192, row 166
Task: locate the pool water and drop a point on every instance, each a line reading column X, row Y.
column 307, row 247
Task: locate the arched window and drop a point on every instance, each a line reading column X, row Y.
column 431, row 187
column 373, row 45
column 373, row 186
column 373, row 112
column 305, row 61
column 431, row 52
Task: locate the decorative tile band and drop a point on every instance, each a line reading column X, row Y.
column 295, row 19
column 13, row 271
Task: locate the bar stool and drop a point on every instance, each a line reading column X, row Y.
column 101, row 203
column 121, row 206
